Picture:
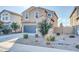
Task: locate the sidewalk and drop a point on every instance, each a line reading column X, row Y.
column 28, row 48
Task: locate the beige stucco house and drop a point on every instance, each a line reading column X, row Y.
column 8, row 17
column 33, row 15
column 74, row 19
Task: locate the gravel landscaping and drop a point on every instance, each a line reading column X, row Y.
column 32, row 41
column 61, row 42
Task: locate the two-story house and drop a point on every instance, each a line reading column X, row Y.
column 74, row 19
column 8, row 17
column 33, row 15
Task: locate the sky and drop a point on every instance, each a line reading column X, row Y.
column 63, row 12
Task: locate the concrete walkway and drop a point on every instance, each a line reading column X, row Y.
column 28, row 48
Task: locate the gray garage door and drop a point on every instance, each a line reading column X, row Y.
column 30, row 29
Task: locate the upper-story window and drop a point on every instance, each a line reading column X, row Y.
column 49, row 15
column 6, row 18
column 3, row 18
column 27, row 15
column 6, row 14
column 37, row 15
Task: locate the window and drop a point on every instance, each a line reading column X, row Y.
column 27, row 16
column 3, row 18
column 6, row 14
column 49, row 15
column 37, row 15
column 6, row 18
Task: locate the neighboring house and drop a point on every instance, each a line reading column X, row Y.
column 74, row 19
column 33, row 15
column 8, row 17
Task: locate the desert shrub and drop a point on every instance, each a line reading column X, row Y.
column 71, row 36
column 49, row 38
column 52, row 38
column 25, row 36
column 36, row 36
column 58, row 34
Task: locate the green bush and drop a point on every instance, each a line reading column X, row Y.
column 25, row 36
column 6, row 31
column 77, row 46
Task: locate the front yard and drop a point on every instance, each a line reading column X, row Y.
column 61, row 42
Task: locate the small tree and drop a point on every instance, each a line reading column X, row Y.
column 44, row 27
column 14, row 26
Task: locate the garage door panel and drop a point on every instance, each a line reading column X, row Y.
column 30, row 29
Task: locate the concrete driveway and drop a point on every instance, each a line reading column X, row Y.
column 7, row 41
